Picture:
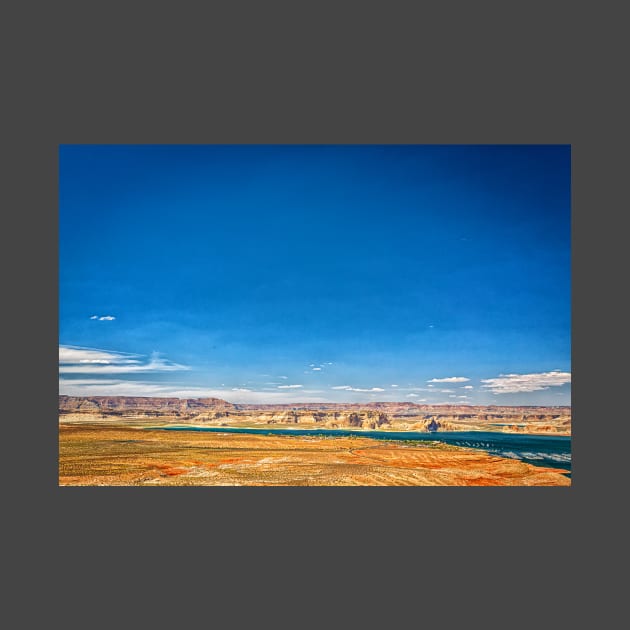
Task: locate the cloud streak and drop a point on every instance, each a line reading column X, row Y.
column 77, row 360
column 348, row 388
column 523, row 383
column 449, row 379
column 119, row 387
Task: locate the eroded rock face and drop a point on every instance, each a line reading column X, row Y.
column 367, row 419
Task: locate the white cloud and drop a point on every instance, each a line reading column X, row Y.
column 284, row 377
column 289, row 386
column 449, row 379
column 468, row 387
column 317, row 369
column 103, row 318
column 412, row 395
column 446, row 391
column 94, row 317
column 77, row 360
column 520, row 383
column 241, row 389
column 393, row 385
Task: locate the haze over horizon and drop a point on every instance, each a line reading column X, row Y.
column 291, row 273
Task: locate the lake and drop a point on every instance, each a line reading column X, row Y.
column 540, row 450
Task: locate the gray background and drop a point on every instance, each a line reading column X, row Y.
column 364, row 72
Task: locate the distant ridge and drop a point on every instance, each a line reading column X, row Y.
column 144, row 404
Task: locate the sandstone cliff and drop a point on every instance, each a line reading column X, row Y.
column 365, row 419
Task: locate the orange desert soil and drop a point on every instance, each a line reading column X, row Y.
column 129, row 456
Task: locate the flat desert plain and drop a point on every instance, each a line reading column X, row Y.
column 124, row 454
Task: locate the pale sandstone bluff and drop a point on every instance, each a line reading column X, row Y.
column 366, row 419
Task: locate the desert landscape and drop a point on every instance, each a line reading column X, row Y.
column 123, row 441
column 324, row 315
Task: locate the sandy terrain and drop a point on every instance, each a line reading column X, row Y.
column 131, row 455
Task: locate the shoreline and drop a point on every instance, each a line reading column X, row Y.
column 153, row 421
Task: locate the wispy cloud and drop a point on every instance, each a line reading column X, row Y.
column 78, row 360
column 393, row 385
column 317, row 369
column 103, row 318
column 289, row 386
column 520, row 383
column 358, row 389
column 449, row 379
column 119, row 387
column 76, row 354
column 468, row 387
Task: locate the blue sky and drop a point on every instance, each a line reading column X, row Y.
column 437, row 274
